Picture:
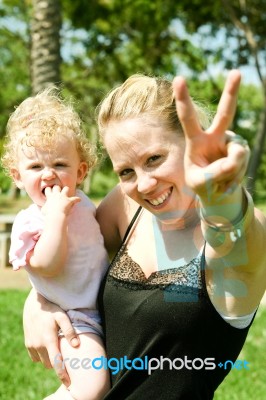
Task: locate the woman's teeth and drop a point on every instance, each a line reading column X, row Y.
column 160, row 200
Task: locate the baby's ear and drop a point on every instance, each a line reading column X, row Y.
column 82, row 171
column 16, row 178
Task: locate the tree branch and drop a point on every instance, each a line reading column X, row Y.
column 246, row 29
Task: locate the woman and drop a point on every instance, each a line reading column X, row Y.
column 189, row 267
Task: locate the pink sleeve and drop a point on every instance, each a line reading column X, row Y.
column 25, row 233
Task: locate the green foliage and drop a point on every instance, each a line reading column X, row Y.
column 105, row 41
column 14, row 58
column 103, row 180
column 125, row 37
column 260, row 192
column 5, row 181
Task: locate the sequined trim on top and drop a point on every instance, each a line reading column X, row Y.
column 127, row 271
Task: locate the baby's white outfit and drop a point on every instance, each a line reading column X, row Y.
column 75, row 289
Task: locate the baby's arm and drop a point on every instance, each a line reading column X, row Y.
column 49, row 254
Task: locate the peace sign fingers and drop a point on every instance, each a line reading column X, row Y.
column 185, row 108
column 227, row 104
column 207, row 151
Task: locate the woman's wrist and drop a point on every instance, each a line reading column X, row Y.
column 217, row 219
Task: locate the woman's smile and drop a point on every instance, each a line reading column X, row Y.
column 160, row 199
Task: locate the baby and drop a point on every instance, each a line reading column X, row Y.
column 57, row 238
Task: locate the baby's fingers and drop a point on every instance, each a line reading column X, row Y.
column 49, row 190
column 72, row 199
column 75, row 199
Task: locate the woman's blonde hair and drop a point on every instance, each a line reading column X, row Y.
column 40, row 121
column 142, row 95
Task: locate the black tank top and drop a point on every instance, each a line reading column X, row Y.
column 164, row 338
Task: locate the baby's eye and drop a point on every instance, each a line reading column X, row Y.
column 35, row 166
column 60, row 164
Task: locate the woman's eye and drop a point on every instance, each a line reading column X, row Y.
column 154, row 158
column 125, row 172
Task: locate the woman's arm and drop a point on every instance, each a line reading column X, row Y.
column 215, row 165
column 42, row 320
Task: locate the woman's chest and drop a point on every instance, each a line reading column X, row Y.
column 156, row 248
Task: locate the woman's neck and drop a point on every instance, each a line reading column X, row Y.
column 189, row 219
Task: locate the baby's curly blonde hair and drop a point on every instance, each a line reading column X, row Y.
column 39, row 122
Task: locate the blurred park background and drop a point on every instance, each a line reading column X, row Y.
column 87, row 47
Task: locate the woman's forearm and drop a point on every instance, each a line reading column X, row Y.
column 42, row 320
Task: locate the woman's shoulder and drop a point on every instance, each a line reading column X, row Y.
column 114, row 214
column 118, row 204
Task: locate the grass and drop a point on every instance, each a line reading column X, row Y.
column 21, row 379
column 248, row 384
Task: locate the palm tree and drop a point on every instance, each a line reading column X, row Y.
column 45, row 44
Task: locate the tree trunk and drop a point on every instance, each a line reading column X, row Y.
column 45, row 44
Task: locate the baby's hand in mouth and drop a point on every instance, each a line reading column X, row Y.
column 58, row 200
column 51, row 189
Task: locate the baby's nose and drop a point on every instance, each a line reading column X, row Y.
column 48, row 173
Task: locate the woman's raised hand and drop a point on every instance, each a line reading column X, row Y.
column 214, row 158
